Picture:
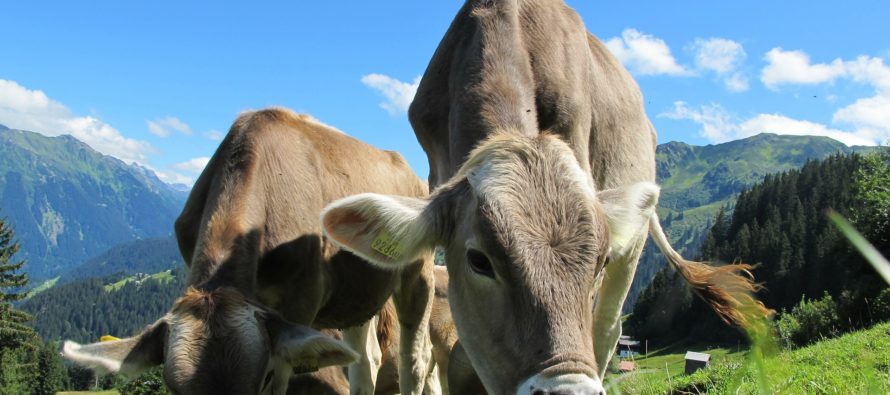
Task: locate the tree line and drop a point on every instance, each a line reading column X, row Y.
column 812, row 277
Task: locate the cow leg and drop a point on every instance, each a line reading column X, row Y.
column 609, row 300
column 413, row 298
column 433, row 385
column 363, row 374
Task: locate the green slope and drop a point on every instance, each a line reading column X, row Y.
column 68, row 202
column 856, row 363
column 697, row 180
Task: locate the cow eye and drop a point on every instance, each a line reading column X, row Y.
column 479, row 263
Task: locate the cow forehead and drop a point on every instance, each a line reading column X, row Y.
column 208, row 324
column 537, row 200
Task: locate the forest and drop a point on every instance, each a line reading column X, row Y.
column 811, row 276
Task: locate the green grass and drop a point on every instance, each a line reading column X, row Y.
column 161, row 277
column 42, row 287
column 856, row 363
column 108, row 392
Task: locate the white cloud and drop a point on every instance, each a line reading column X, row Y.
column 644, row 54
column 780, row 124
column 736, row 82
column 870, row 116
column 718, row 54
column 33, row 110
column 164, row 126
column 719, row 125
column 172, row 177
column 194, row 165
column 214, row 135
column 794, row 67
column 398, row 94
column 723, row 57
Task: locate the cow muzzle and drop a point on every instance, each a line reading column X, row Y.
column 564, row 384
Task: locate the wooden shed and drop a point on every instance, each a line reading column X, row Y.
column 626, row 366
column 696, row 361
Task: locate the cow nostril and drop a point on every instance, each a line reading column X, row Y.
column 540, row 392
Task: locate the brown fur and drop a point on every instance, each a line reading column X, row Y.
column 261, row 273
column 508, row 71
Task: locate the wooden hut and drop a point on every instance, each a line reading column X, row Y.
column 696, row 361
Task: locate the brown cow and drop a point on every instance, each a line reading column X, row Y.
column 333, row 381
column 260, row 272
column 543, row 161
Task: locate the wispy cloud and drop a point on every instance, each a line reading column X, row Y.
column 214, row 135
column 33, row 110
column 719, row 125
column 398, row 94
column 194, row 165
column 723, row 57
column 645, row 54
column 870, row 116
column 163, row 127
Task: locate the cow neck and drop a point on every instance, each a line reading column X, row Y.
column 237, row 270
column 505, row 89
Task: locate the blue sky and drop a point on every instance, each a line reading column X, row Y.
column 158, row 83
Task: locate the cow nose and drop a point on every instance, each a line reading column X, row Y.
column 565, row 384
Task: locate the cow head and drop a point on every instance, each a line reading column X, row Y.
column 526, row 239
column 217, row 342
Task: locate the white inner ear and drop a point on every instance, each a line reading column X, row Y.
column 391, row 232
column 628, row 210
column 72, row 351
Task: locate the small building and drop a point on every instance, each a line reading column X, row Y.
column 696, row 361
column 626, row 366
column 627, row 347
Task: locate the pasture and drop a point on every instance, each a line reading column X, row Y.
column 856, row 363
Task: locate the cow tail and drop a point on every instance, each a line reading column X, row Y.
column 728, row 289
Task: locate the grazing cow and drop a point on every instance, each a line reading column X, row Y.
column 543, row 163
column 260, row 272
column 332, row 380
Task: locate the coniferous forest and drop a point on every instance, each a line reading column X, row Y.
column 812, row 277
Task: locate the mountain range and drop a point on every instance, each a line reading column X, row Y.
column 80, row 214
column 696, row 181
column 69, row 203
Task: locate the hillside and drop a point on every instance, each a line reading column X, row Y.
column 86, row 309
column 779, row 224
column 69, row 203
column 138, row 256
column 697, row 180
column 856, row 363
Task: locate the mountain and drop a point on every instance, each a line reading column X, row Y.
column 151, row 255
column 697, row 180
column 69, row 203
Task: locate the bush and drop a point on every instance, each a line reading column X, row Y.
column 880, row 306
column 808, row 322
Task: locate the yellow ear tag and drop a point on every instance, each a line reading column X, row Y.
column 387, row 245
column 108, row 338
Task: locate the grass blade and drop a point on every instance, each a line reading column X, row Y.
column 881, row 265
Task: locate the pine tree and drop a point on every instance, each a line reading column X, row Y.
column 13, row 331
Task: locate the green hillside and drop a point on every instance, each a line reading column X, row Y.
column 151, row 255
column 84, row 310
column 856, row 363
column 697, row 180
column 68, row 202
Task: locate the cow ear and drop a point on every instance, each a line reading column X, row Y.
column 306, row 349
column 129, row 356
column 389, row 231
column 628, row 210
